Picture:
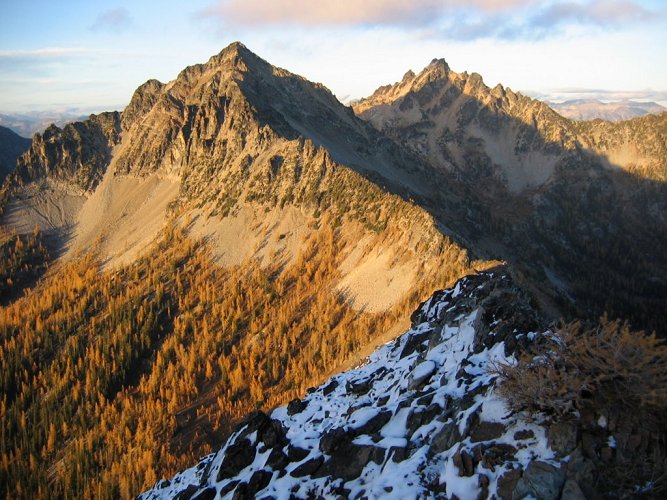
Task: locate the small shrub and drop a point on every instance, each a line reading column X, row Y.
column 609, row 366
column 578, row 374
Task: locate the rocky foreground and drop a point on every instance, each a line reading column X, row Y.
column 422, row 418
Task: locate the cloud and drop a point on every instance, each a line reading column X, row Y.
column 43, row 53
column 38, row 62
column 346, row 12
column 449, row 19
column 535, row 22
column 116, row 20
column 597, row 13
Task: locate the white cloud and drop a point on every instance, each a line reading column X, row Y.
column 446, row 19
column 46, row 52
column 347, row 12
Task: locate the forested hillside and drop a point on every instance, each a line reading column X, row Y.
column 112, row 379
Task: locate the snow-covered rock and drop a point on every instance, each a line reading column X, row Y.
column 421, row 419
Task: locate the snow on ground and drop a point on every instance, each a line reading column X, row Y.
column 420, row 419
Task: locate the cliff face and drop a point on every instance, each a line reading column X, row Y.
column 60, row 169
column 77, row 154
column 228, row 114
column 455, row 120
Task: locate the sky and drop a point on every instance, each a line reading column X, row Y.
column 89, row 56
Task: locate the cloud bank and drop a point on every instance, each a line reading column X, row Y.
column 453, row 19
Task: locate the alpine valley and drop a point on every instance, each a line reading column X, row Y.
column 173, row 274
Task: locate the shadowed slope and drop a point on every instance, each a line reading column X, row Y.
column 578, row 207
column 12, row 146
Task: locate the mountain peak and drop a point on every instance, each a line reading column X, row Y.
column 235, row 46
column 236, row 50
column 238, row 56
column 438, row 62
column 437, row 68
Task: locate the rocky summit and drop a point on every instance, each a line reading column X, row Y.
column 422, row 418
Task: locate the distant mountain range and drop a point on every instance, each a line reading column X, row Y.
column 27, row 124
column 593, row 109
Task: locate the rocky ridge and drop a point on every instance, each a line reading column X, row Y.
column 461, row 125
column 557, row 199
column 421, row 419
column 455, row 120
column 77, row 154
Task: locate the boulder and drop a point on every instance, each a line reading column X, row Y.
column 277, row 459
column 358, row 387
column 228, row 488
column 349, row 460
column 464, row 463
column 572, row 491
column 308, row 468
column 398, row 454
column 445, row 438
column 421, row 374
column 259, row 480
column 237, row 457
column 420, row 416
column 241, row 492
column 333, row 438
column 562, row 438
column 296, row 406
column 414, row 343
column 524, row 434
column 507, row 482
column 495, row 454
column 207, row 494
column 487, row 431
column 541, row 480
column 483, row 484
column 187, row 493
column 296, row 454
column 329, row 388
column 374, row 424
